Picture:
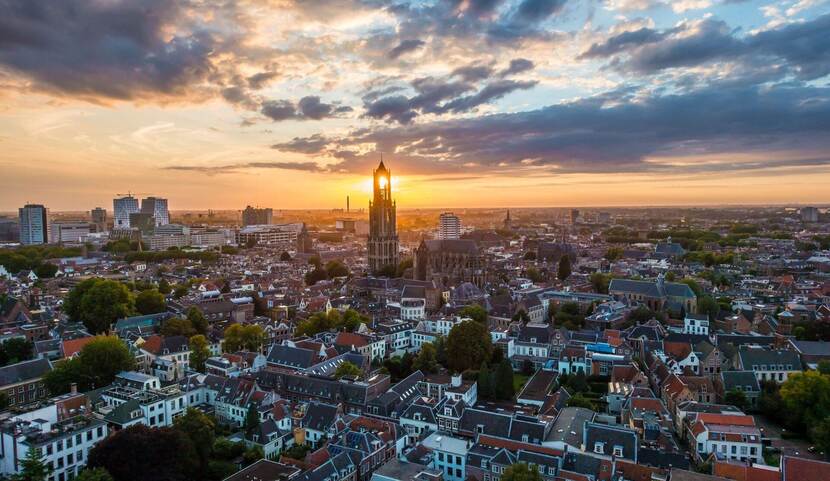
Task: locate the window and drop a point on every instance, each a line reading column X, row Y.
column 599, row 448
column 618, row 451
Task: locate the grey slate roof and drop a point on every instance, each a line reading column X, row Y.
column 768, row 357
column 24, row 371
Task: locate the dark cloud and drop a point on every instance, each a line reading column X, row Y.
column 537, row 10
column 303, row 145
column 611, row 133
column 260, row 80
column 802, row 47
column 517, row 65
column 404, row 47
column 473, row 73
column 116, row 49
column 490, row 92
column 231, row 168
column 308, row 108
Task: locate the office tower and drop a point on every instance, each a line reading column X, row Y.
column 347, row 204
column 9, row 230
column 449, row 226
column 383, row 232
column 809, row 214
column 68, row 231
column 122, row 208
column 34, row 227
column 574, row 216
column 143, row 221
column 99, row 219
column 156, row 207
column 256, row 216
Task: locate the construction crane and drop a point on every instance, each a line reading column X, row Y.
column 131, row 194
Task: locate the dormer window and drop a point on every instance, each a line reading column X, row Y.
column 599, row 448
column 618, row 451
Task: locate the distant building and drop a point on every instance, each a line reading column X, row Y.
column 256, row 216
column 142, row 221
column 122, row 208
column 656, row 295
column 282, row 235
column 156, row 207
column 449, row 226
column 809, row 214
column 69, row 231
column 383, row 231
column 304, row 243
column 99, row 219
column 34, row 225
column 9, row 230
column 574, row 216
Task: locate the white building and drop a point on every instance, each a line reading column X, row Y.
column 34, row 224
column 731, row 437
column 156, row 207
column 696, row 324
column 69, row 231
column 63, row 440
column 284, row 235
column 122, row 208
column 449, row 226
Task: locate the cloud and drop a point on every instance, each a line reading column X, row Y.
column 308, row 108
column 612, row 133
column 405, row 47
column 517, row 65
column 113, row 50
column 234, row 168
column 802, row 47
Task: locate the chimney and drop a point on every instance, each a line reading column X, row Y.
column 73, row 388
column 456, row 380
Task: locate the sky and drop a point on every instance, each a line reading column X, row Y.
column 488, row 103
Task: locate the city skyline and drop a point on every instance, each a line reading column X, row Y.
column 521, row 103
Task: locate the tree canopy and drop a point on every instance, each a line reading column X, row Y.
column 347, row 369
column 95, row 366
column 468, row 345
column 248, row 337
column 98, row 303
column 564, row 269
column 474, row 312
column 150, row 301
column 521, row 472
column 172, row 455
column 199, row 352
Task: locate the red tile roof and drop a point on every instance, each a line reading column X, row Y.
column 801, row 469
column 74, row 346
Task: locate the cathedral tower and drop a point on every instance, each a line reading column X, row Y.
column 383, row 232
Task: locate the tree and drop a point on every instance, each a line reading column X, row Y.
column 564, row 270
column 806, row 399
column 260, row 306
column 32, row 467
column 579, row 401
column 521, row 316
column 16, row 349
column 94, row 474
column 4, row 400
column 709, row 306
column 600, row 282
column 197, row 320
column 534, row 275
column 285, row 256
column 180, row 291
column 468, row 345
column 521, row 472
column 427, row 359
column 485, row 383
column 614, row 253
column 96, row 366
column 824, row 367
column 693, row 285
column 243, row 337
column 150, row 301
column 199, row 352
column 173, row 457
column 98, row 303
column 164, row 287
column 347, row 369
column 201, row 430
column 474, row 312
column 820, row 434
column 315, row 276
column 504, row 380
column 737, row 398
column 252, row 417
column 336, row 269
column 176, row 326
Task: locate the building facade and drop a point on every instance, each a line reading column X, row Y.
column 122, row 208
column 449, row 226
column 156, row 207
column 257, row 216
column 34, row 225
column 98, row 216
column 383, row 232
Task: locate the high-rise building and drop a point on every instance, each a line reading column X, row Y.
column 122, row 208
column 574, row 216
column 257, row 216
column 157, row 208
column 449, row 226
column 9, row 230
column 34, row 226
column 809, row 214
column 99, row 219
column 383, row 231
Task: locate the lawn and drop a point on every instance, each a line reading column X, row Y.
column 519, row 380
